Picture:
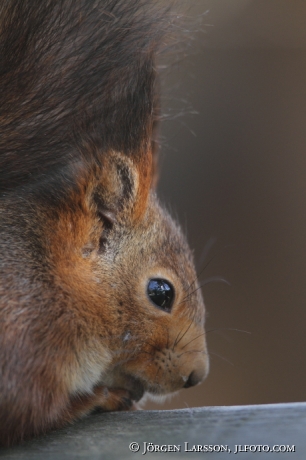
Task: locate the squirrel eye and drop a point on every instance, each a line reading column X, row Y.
column 161, row 293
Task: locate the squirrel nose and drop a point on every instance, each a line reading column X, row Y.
column 194, row 378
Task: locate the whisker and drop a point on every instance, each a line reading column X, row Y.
column 204, row 254
column 193, row 340
column 193, row 351
column 215, row 255
column 206, row 250
column 177, row 340
column 210, row 243
column 183, row 335
column 215, row 279
column 212, row 279
column 228, row 329
column 203, row 269
column 221, row 357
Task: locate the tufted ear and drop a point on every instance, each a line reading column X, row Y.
column 123, row 186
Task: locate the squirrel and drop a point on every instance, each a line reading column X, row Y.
column 99, row 298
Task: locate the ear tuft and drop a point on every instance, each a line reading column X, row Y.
column 116, row 191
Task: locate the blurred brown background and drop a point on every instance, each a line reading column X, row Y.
column 237, row 172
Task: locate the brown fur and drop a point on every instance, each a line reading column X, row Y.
column 79, row 242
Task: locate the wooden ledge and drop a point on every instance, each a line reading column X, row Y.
column 109, row 435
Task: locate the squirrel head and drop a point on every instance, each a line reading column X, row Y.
column 130, row 276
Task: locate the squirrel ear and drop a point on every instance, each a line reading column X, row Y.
column 122, row 187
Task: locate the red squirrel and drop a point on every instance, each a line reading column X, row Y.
column 99, row 299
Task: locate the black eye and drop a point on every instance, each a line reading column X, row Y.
column 161, row 293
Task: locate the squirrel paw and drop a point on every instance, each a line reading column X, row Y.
column 114, row 399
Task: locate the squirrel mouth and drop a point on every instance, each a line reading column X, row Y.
column 134, row 386
column 136, row 389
